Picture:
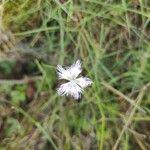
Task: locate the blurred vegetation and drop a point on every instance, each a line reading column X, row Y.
column 111, row 37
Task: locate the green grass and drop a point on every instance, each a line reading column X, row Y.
column 112, row 40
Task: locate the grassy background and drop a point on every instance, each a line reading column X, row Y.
column 111, row 37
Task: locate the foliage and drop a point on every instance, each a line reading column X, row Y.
column 112, row 40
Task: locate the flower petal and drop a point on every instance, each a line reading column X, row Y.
column 70, row 88
column 83, row 82
column 75, row 69
column 62, row 73
column 71, row 72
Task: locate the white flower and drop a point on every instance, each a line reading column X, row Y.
column 74, row 87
